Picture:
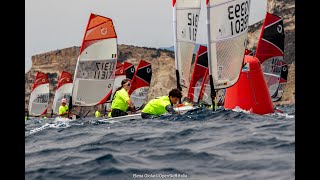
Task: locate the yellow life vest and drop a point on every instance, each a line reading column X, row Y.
column 120, row 100
column 157, row 106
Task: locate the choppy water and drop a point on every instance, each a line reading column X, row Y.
column 198, row 145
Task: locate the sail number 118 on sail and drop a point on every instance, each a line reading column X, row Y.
column 238, row 15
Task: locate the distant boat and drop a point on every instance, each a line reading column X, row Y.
column 199, row 89
column 270, row 52
column 63, row 90
column 227, row 35
column 39, row 97
column 198, row 74
column 185, row 27
column 140, row 84
column 96, row 65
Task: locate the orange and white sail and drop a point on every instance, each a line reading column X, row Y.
column 64, row 89
column 96, row 65
column 185, row 26
column 39, row 97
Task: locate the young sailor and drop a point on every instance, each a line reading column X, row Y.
column 121, row 99
column 63, row 109
column 97, row 113
column 161, row 105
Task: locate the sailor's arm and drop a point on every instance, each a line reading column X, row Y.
column 170, row 109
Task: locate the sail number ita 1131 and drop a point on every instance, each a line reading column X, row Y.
column 238, row 15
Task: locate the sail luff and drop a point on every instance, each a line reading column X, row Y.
column 175, row 44
column 210, row 61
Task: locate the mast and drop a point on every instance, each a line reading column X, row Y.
column 212, row 92
column 175, row 44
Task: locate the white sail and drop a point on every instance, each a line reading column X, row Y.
column 39, row 97
column 258, row 11
column 185, row 27
column 95, row 71
column 227, row 24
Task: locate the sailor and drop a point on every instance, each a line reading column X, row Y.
column 161, row 105
column 97, row 113
column 63, row 109
column 121, row 100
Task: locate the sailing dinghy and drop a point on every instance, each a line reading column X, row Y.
column 39, row 97
column 269, row 51
column 185, row 27
column 96, row 65
column 227, row 27
column 63, row 90
column 140, row 84
column 199, row 89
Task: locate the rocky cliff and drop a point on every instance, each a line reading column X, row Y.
column 162, row 61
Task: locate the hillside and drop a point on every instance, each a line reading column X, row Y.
column 162, row 61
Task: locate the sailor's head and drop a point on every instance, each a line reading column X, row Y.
column 126, row 83
column 175, row 95
column 64, row 101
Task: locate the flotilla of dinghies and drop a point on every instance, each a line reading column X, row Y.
column 39, row 97
column 216, row 68
column 96, row 65
column 140, row 84
column 270, row 52
column 63, row 90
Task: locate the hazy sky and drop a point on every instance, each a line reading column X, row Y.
column 57, row 24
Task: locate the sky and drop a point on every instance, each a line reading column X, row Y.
column 58, row 24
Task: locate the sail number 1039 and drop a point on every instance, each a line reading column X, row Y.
column 238, row 15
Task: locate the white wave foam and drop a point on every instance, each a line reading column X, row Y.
column 57, row 123
column 238, row 109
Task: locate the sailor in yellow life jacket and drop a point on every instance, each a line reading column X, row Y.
column 63, row 109
column 121, row 100
column 97, row 113
column 161, row 105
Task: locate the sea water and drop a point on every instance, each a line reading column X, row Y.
column 201, row 144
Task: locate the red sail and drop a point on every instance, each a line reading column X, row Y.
column 41, row 78
column 65, row 78
column 129, row 70
column 271, row 41
column 142, row 76
column 120, row 69
column 198, row 73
